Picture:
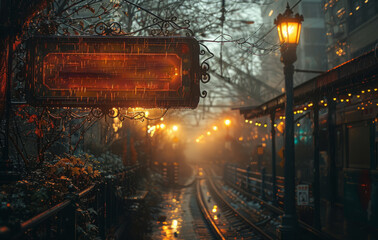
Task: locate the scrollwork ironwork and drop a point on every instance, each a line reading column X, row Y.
column 113, row 28
column 68, row 20
column 205, row 67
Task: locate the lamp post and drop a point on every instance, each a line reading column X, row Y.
column 289, row 28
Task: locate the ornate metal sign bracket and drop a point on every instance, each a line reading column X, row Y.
column 65, row 23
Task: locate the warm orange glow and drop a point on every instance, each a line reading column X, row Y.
column 215, row 128
column 162, row 126
column 175, row 128
column 208, row 133
column 197, row 140
column 174, row 224
column 120, row 72
column 289, row 32
column 84, row 72
column 227, row 122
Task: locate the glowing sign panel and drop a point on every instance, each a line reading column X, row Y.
column 123, row 72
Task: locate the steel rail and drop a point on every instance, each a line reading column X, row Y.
column 277, row 210
column 218, row 233
column 247, row 221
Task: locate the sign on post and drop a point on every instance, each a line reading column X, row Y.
column 303, row 195
column 147, row 72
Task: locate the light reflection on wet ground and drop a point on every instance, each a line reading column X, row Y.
column 178, row 223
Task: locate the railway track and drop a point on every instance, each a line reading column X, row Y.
column 231, row 224
column 305, row 231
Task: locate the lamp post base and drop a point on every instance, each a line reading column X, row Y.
column 288, row 228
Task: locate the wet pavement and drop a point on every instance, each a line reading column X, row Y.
column 176, row 220
column 179, row 216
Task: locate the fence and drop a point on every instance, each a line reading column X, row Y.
column 258, row 183
column 95, row 210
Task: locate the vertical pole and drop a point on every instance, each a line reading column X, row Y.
column 148, row 159
column 248, row 175
column 128, row 146
column 316, row 184
column 289, row 219
column 332, row 148
column 273, row 133
column 6, row 172
column 235, row 175
column 263, row 183
column 223, row 10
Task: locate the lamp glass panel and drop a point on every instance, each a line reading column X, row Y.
column 292, row 32
column 280, row 34
column 289, row 32
column 299, row 32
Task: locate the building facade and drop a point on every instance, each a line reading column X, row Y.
column 351, row 27
column 311, row 52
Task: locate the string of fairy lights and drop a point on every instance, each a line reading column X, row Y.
column 152, row 129
column 360, row 101
column 214, row 128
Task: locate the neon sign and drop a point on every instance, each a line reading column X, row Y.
column 113, row 71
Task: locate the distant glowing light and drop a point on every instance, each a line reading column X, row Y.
column 197, row 140
column 208, row 133
column 215, row 128
column 240, row 139
column 162, row 126
column 174, row 224
column 146, row 113
column 227, row 122
column 161, row 119
column 175, row 128
column 246, row 121
column 271, row 12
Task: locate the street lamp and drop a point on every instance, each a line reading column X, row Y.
column 289, row 29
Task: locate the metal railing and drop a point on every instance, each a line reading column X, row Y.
column 99, row 205
column 253, row 184
column 258, row 183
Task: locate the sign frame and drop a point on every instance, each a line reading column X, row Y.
column 303, row 195
column 187, row 96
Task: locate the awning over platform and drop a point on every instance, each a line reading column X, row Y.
column 347, row 78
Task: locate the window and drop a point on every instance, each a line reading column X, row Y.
column 314, row 35
column 312, row 10
column 359, row 146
